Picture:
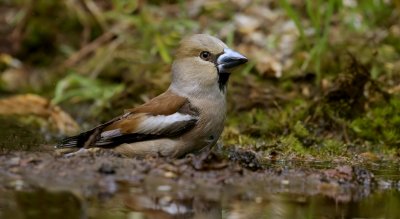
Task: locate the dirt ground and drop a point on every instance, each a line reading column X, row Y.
column 104, row 173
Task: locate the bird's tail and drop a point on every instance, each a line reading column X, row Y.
column 77, row 141
column 69, row 142
column 85, row 138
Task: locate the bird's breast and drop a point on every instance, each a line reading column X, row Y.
column 211, row 121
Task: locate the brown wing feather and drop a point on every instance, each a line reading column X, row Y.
column 164, row 104
column 167, row 103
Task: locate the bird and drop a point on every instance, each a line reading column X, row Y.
column 187, row 118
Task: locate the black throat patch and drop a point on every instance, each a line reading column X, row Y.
column 223, row 77
column 223, row 80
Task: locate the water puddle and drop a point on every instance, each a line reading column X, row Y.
column 137, row 204
column 41, row 185
column 156, row 197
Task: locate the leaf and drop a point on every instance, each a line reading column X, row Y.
column 162, row 49
column 76, row 86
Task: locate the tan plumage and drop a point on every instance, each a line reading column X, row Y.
column 188, row 117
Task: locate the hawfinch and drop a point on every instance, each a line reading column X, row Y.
column 186, row 118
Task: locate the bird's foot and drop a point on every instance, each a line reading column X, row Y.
column 204, row 153
column 200, row 158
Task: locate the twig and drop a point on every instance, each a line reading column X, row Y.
column 95, row 12
column 346, row 136
column 89, row 48
column 111, row 49
column 17, row 34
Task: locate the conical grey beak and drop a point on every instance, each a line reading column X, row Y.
column 229, row 59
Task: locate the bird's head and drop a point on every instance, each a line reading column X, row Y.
column 204, row 62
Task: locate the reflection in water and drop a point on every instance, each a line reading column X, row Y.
column 165, row 203
column 40, row 204
column 384, row 204
column 165, row 207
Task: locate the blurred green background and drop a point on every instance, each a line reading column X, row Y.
column 322, row 81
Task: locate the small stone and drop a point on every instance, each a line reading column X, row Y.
column 106, row 168
column 169, row 175
column 164, row 188
column 369, row 156
column 14, row 161
column 285, row 182
column 18, row 184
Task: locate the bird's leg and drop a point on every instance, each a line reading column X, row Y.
column 204, row 152
column 201, row 157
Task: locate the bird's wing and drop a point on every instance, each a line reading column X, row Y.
column 165, row 116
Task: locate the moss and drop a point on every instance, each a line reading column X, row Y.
column 300, row 130
column 20, row 133
column 331, row 147
column 291, row 144
column 300, row 113
column 381, row 124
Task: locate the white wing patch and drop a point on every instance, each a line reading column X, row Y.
column 154, row 124
column 110, row 133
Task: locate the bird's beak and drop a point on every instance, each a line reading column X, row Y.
column 229, row 59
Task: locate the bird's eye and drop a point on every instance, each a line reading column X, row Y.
column 205, row 55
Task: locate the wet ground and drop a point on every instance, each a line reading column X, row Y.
column 104, row 185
